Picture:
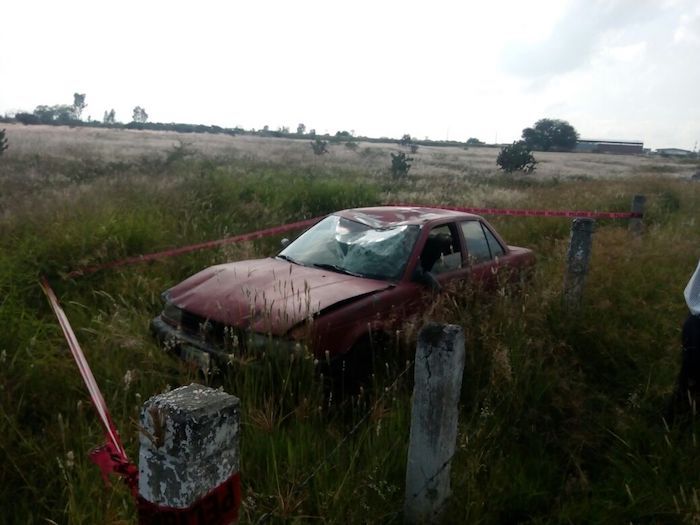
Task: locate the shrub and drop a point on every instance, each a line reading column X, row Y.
column 179, row 152
column 400, row 164
column 517, row 156
column 319, row 146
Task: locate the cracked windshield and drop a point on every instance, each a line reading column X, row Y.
column 346, row 246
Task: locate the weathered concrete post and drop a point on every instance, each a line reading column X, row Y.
column 439, row 367
column 636, row 224
column 577, row 260
column 189, row 457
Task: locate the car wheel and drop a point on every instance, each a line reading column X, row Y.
column 348, row 375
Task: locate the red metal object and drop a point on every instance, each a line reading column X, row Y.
column 267, row 295
column 277, row 298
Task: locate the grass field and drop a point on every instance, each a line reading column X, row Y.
column 560, row 414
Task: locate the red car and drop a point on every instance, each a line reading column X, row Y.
column 354, row 275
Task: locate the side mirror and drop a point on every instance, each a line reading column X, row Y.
column 284, row 242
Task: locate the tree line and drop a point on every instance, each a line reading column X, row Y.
column 71, row 115
column 546, row 134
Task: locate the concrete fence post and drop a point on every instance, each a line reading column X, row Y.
column 439, row 367
column 636, row 224
column 577, row 260
column 189, row 457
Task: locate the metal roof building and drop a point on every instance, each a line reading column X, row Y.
column 674, row 152
column 630, row 147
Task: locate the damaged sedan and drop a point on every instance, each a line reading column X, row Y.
column 353, row 276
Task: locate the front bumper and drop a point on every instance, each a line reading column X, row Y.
column 196, row 350
column 186, row 346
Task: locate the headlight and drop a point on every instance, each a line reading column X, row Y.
column 172, row 313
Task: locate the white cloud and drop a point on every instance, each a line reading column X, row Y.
column 688, row 30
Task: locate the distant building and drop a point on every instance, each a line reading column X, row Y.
column 630, row 147
column 675, row 152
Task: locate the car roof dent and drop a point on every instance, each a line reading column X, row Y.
column 382, row 217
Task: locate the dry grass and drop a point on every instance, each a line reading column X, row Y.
column 430, row 162
column 560, row 415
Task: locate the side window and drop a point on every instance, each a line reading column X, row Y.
column 441, row 252
column 477, row 245
column 496, row 248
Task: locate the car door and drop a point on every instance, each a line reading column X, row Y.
column 483, row 251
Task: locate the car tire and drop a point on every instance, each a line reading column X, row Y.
column 351, row 373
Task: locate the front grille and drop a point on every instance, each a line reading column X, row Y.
column 215, row 333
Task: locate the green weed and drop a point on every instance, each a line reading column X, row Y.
column 560, row 415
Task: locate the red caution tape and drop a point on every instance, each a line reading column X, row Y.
column 110, row 457
column 218, row 507
column 109, row 460
column 268, row 232
column 194, row 247
column 534, row 213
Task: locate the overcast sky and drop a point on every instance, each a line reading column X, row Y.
column 615, row 69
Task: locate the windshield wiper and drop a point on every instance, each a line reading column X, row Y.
column 288, row 258
column 336, row 268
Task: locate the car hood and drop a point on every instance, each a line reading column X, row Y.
column 267, row 295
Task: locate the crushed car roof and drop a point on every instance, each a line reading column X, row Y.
column 391, row 216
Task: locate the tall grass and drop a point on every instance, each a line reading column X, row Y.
column 560, row 418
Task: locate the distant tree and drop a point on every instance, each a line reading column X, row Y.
column 312, row 133
column 58, row 114
column 78, row 105
column 551, row 134
column 516, row 157
column 472, row 141
column 301, row 128
column 341, row 136
column 284, row 130
column 3, row 142
column 27, row 118
column 408, row 142
column 140, row 116
column 400, row 164
column 319, row 146
column 109, row 117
